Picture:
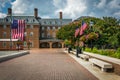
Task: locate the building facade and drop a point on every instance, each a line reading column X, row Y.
column 39, row 31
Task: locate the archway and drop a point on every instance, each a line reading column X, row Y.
column 56, row 45
column 44, row 45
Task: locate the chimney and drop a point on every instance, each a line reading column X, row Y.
column 60, row 15
column 9, row 11
column 35, row 12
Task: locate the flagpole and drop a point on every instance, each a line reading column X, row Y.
column 11, row 31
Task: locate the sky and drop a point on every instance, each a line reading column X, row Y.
column 71, row 8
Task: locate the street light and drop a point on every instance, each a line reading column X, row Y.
column 91, row 24
column 91, row 29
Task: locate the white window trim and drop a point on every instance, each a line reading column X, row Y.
column 4, row 26
column 25, row 34
column 4, row 34
column 43, row 28
column 4, row 44
column 48, row 35
column 48, row 28
column 31, row 34
column 43, row 35
column 31, row 26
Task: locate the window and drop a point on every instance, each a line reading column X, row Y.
column 59, row 27
column 43, row 28
column 11, row 44
column 27, row 20
column 4, row 26
column 43, row 35
column 6, row 20
column 31, row 44
column 31, row 26
column 55, row 22
column 61, row 23
column 25, row 34
column 31, row 33
column 25, row 43
column 54, row 34
column 33, row 20
column 53, row 28
column 4, row 34
column 48, row 28
column 48, row 35
column 4, row 44
column 44, row 22
column 50, row 22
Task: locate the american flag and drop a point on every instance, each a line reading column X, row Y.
column 83, row 27
column 77, row 32
column 17, row 29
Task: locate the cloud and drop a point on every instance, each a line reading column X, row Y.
column 114, row 4
column 20, row 6
column 70, row 8
column 3, row 2
column 45, row 7
column 2, row 15
column 117, row 13
column 73, row 8
column 102, row 4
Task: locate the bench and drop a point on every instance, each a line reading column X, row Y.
column 73, row 52
column 83, row 56
column 104, row 65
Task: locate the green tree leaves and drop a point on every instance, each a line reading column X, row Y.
column 107, row 29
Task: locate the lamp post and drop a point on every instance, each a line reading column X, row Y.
column 91, row 29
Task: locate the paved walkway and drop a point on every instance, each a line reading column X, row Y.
column 95, row 70
column 51, row 64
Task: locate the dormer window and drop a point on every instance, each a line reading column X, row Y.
column 50, row 22
column 26, row 20
column 44, row 22
column 33, row 20
column 6, row 19
column 55, row 22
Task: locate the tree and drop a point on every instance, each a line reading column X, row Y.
column 107, row 28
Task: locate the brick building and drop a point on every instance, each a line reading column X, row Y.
column 39, row 31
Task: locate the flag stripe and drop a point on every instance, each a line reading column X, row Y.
column 18, row 31
column 76, row 32
column 83, row 27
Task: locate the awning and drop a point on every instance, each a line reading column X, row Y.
column 8, row 39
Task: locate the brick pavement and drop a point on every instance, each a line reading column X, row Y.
column 44, row 64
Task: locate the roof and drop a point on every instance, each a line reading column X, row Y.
column 33, row 20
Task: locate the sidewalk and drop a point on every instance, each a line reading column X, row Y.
column 44, row 64
column 6, row 55
column 95, row 71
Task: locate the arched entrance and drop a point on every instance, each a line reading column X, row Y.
column 56, row 45
column 44, row 45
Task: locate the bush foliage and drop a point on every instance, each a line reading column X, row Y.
column 106, row 52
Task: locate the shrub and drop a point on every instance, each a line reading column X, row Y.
column 95, row 50
column 87, row 49
column 107, row 52
column 118, row 50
